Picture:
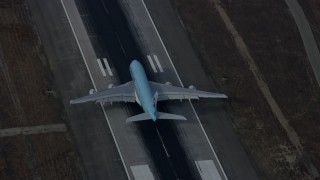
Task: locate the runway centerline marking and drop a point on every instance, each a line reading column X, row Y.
column 107, row 66
column 101, row 67
column 152, row 64
column 158, row 63
column 165, row 49
column 165, row 149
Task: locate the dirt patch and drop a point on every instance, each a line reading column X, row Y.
column 27, row 100
column 273, row 40
column 51, row 157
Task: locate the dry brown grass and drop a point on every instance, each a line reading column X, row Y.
column 24, row 81
column 275, row 44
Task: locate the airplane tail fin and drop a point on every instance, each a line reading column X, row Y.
column 162, row 115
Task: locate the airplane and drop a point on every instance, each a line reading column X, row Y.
column 146, row 93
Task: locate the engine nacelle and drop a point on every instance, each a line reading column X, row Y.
column 92, row 91
column 110, row 86
column 168, row 83
column 192, row 87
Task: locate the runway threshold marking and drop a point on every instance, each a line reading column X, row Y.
column 142, row 172
column 95, row 87
column 152, row 64
column 165, row 49
column 101, row 67
column 207, row 170
column 107, row 66
column 158, row 63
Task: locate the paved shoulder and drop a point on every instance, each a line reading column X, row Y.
column 307, row 36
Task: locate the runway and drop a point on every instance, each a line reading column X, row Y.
column 216, row 122
column 123, row 56
column 82, row 60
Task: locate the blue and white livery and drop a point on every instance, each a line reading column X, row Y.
column 146, row 93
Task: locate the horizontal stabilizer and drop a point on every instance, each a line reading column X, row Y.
column 139, row 117
column 162, row 115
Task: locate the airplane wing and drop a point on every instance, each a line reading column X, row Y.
column 122, row 93
column 169, row 92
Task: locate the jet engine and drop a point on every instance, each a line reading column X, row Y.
column 168, row 83
column 92, row 91
column 192, row 87
column 110, row 86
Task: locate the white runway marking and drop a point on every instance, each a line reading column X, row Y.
column 152, row 64
column 158, row 63
column 107, row 66
column 165, row 149
column 207, row 170
column 141, row 172
column 101, row 67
